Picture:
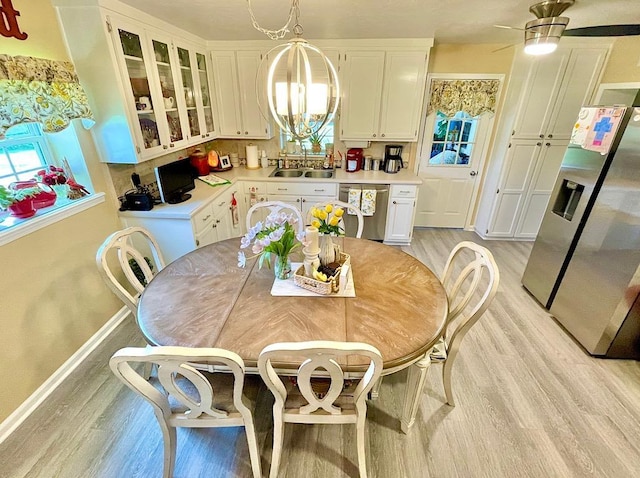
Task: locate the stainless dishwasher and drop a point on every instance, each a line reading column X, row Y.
column 373, row 225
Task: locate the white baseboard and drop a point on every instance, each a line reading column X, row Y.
column 30, row 404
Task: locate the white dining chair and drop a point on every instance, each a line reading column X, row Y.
column 275, row 206
column 121, row 247
column 327, row 400
column 469, row 297
column 346, row 206
column 186, row 397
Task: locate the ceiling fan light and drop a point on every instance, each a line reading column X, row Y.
column 540, row 48
column 542, row 36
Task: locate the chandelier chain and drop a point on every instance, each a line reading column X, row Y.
column 281, row 32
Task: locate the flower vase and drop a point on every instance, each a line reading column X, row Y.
column 282, row 267
column 327, row 253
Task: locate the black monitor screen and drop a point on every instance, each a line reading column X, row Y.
column 174, row 180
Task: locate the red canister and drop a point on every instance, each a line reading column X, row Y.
column 199, row 161
column 354, row 160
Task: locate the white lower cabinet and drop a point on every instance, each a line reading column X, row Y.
column 177, row 236
column 528, row 177
column 400, row 214
column 302, row 195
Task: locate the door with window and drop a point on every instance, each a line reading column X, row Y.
column 454, row 144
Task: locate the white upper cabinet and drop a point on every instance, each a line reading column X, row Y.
column 235, row 85
column 148, row 89
column 556, row 87
column 382, row 94
column 195, row 93
column 404, row 84
column 362, row 75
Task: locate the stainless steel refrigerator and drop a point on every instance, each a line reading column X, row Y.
column 585, row 264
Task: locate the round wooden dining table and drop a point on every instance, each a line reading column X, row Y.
column 203, row 299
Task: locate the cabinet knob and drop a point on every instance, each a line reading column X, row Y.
column 541, row 136
column 164, row 146
column 550, row 136
column 472, row 173
column 246, row 132
column 298, row 200
column 238, row 132
column 171, row 145
column 217, row 221
column 538, row 144
column 383, row 135
column 395, row 202
column 207, row 135
column 203, row 136
column 548, row 144
column 304, row 200
column 197, row 242
column 374, row 135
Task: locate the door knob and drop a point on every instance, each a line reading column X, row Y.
column 472, row 173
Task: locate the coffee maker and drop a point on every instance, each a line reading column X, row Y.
column 392, row 158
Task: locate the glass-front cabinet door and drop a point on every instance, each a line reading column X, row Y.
column 194, row 72
column 205, row 92
column 189, row 91
column 134, row 61
column 170, row 88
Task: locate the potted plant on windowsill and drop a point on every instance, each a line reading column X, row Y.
column 19, row 202
column 316, row 141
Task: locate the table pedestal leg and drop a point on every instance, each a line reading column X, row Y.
column 414, row 388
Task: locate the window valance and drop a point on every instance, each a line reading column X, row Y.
column 40, row 90
column 474, row 97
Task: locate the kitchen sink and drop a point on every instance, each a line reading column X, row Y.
column 305, row 173
column 286, row 173
column 318, row 174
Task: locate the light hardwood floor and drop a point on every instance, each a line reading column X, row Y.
column 530, row 403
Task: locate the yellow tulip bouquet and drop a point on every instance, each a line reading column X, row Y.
column 327, row 220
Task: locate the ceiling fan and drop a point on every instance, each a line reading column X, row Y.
column 541, row 36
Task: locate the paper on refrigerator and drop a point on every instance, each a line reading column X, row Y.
column 582, row 125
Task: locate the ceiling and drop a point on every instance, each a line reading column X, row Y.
column 448, row 21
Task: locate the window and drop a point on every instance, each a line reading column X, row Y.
column 23, row 152
column 453, row 139
column 328, row 137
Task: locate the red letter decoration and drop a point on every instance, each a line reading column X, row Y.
column 9, row 21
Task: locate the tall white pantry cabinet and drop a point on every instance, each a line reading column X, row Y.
column 543, row 100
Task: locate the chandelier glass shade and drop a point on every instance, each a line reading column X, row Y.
column 302, row 88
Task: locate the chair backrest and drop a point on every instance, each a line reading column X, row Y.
column 121, row 245
column 276, row 206
column 179, row 379
column 462, row 279
column 347, row 208
column 319, row 356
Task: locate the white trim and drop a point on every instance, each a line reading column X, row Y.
column 42, row 393
column 613, row 86
column 33, row 224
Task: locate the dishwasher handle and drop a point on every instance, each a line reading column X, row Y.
column 378, row 190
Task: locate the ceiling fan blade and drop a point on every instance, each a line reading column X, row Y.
column 507, row 27
column 604, row 31
column 502, row 48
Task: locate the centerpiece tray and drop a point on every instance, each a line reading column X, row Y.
column 288, row 287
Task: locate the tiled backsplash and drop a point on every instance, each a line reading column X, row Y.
column 121, row 173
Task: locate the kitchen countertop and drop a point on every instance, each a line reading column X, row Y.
column 202, row 195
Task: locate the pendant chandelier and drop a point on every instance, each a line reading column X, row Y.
column 302, row 88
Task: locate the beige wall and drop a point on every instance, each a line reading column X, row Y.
column 623, row 65
column 53, row 298
column 482, row 58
